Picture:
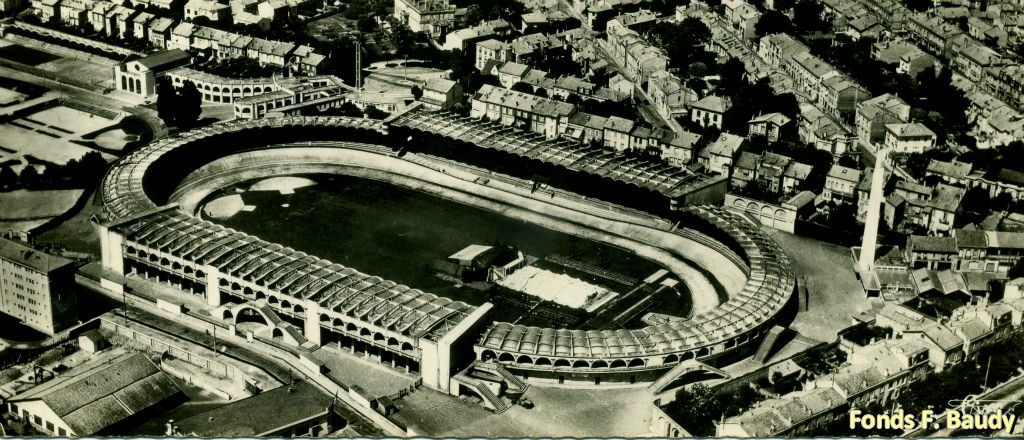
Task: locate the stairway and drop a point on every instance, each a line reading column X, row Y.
column 496, row 403
column 768, row 345
column 515, row 384
column 679, row 370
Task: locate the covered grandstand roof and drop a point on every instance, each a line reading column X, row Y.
column 333, row 286
column 665, row 179
column 766, row 292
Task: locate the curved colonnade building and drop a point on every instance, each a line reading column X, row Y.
column 310, row 300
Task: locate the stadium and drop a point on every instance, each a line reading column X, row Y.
column 739, row 281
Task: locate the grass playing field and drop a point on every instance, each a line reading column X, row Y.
column 396, row 233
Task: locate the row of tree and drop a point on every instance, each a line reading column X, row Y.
column 76, row 173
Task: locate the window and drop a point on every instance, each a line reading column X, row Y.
column 49, row 426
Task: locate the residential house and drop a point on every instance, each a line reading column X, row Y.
column 710, row 111
column 841, row 184
column 718, row 156
column 534, row 113
column 875, row 114
column 909, row 138
column 770, row 125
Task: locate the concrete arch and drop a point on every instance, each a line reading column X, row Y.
column 599, row 364
column 581, row 364
column 618, row 363
column 505, row 357
column 562, row 363
column 392, row 342
column 543, row 361
column 524, row 360
column 636, row 363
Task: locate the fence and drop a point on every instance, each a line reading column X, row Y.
column 138, row 340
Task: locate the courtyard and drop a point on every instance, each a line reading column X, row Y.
column 557, row 412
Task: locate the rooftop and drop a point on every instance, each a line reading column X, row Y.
column 27, row 256
column 249, row 417
column 94, row 396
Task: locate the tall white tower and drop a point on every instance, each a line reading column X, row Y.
column 870, row 238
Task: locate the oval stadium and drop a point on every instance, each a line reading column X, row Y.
column 738, row 282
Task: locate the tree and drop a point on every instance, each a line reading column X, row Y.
column 375, row 113
column 417, row 92
column 366, row 24
column 543, row 93
column 807, row 17
column 190, row 105
column 166, row 100
column 773, row 22
column 919, row 5
column 732, row 73
column 8, row 178
column 29, row 176
column 522, row 87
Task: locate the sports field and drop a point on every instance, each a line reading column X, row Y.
column 396, row 233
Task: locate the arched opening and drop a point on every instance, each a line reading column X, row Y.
column 524, row 360
column 543, row 361
column 687, row 356
column 338, row 323
column 704, row 351
column 260, row 294
column 272, row 300
column 407, row 347
column 365, row 333
column 636, row 363
column 599, row 364
column 378, row 337
column 227, row 315
column 580, row 364
column 506, row 357
column 487, row 355
column 276, row 333
column 286, row 304
column 392, row 342
column 324, row 318
column 249, row 315
column 618, row 363
column 561, row 363
column 298, row 309
column 671, row 359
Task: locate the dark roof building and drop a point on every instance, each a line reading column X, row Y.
column 290, row 410
column 90, row 399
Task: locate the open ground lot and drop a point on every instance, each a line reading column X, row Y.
column 332, row 27
column 35, row 207
column 835, row 293
column 557, row 412
column 49, row 135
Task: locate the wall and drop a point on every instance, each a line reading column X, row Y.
column 782, row 217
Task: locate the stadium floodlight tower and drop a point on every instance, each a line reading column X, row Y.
column 869, row 241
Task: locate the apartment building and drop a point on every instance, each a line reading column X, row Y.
column 36, row 288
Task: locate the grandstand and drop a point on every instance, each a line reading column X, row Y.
column 432, row 335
